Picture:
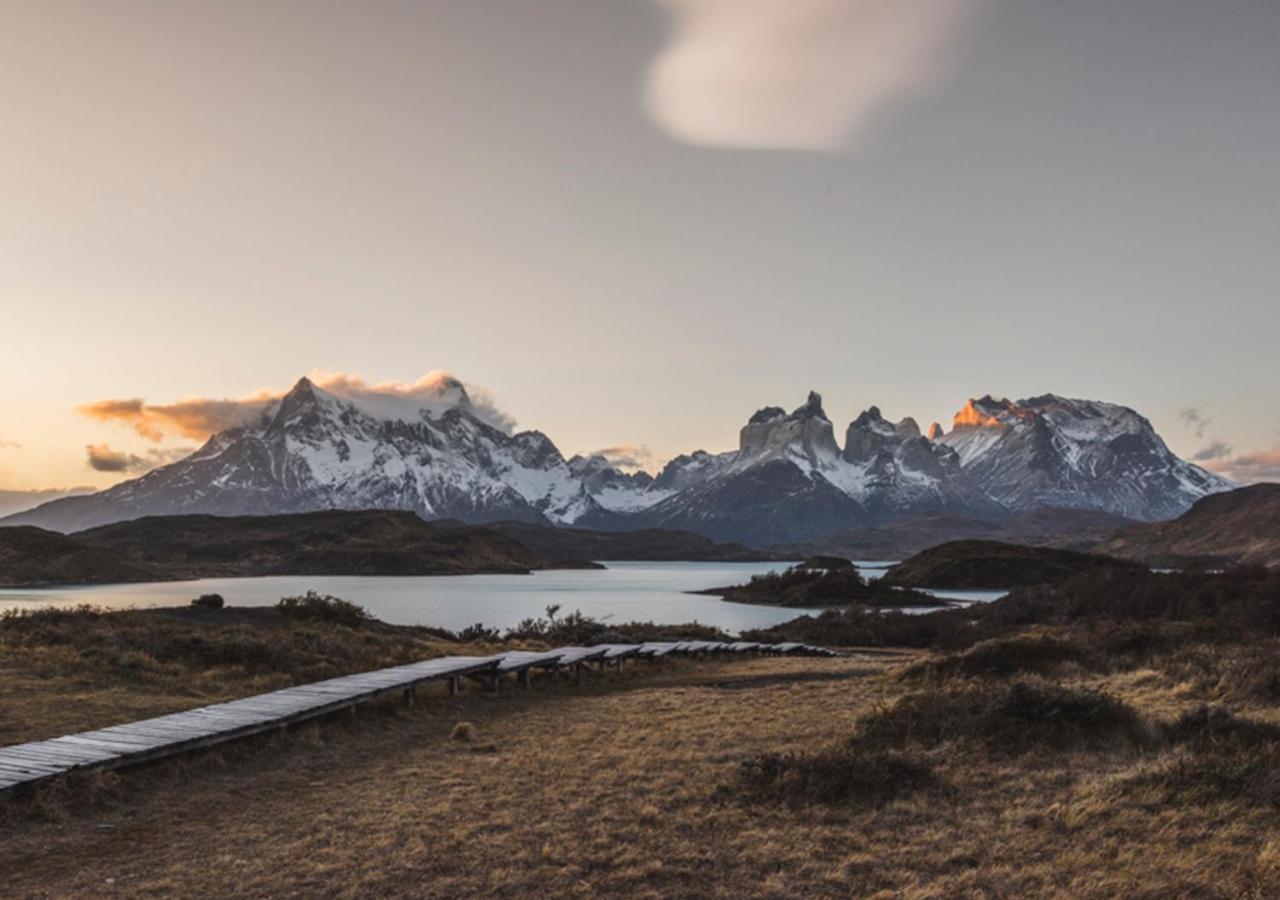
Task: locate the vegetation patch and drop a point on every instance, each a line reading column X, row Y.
column 1002, row 658
column 1013, row 718
column 820, row 582
column 1254, row 675
column 315, row 607
column 849, row 774
column 1217, row 755
column 996, row 565
column 209, row 601
column 576, row 629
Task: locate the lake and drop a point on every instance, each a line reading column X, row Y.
column 623, row 592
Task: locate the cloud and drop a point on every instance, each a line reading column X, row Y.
column 1212, row 450
column 102, row 458
column 794, row 74
column 435, row 392
column 1195, row 420
column 626, row 456
column 10, row 445
column 197, row 418
column 1260, row 465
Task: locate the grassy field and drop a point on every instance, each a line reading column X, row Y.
column 1014, row 768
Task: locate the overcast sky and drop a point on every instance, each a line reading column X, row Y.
column 637, row 221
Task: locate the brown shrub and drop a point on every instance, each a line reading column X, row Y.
column 1002, row 657
column 848, row 774
column 1007, row 718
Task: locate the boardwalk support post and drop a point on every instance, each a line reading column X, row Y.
column 409, row 696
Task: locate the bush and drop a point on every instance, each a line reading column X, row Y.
column 578, row 629
column 1002, row 658
column 946, row 629
column 848, row 774
column 314, row 607
column 209, row 601
column 1138, row 612
column 480, row 634
column 1007, row 718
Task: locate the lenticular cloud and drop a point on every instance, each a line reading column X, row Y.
column 794, row 74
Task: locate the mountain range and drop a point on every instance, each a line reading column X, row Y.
column 788, row 481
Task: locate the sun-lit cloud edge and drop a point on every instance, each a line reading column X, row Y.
column 197, row 418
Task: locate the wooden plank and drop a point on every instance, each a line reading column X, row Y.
column 43, row 752
column 20, row 767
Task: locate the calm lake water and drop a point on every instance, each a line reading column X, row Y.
column 623, row 592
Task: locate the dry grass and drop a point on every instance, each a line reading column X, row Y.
column 631, row 787
column 63, row 671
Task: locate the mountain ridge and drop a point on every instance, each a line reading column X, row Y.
column 788, row 481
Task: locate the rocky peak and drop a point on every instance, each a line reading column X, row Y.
column 870, row 419
column 908, row 428
column 935, row 431
column 987, row 412
column 301, row 407
column 871, row 434
column 812, row 408
column 805, row 434
column 768, row 414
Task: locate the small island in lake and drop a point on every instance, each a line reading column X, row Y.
column 822, row 581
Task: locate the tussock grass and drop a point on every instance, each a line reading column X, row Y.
column 1254, row 674
column 1012, row 719
column 1002, row 658
column 848, row 774
column 72, row 669
column 608, row 790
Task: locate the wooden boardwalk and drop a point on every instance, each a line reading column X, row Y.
column 23, row 765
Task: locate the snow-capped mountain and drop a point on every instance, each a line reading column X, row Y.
column 1051, row 451
column 788, row 480
column 313, row 450
column 907, row 473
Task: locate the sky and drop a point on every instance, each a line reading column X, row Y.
column 632, row 223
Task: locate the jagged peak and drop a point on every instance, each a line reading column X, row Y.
column 987, row 412
column 908, row 427
column 767, row 414
column 812, row 408
column 871, row 420
column 935, row 431
column 867, row 416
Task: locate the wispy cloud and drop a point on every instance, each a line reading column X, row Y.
column 1212, row 450
column 1195, row 420
column 197, row 418
column 794, row 74
column 10, row 445
column 626, row 456
column 1250, row 468
column 101, row 458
